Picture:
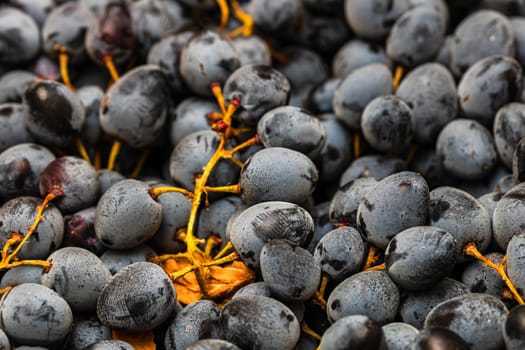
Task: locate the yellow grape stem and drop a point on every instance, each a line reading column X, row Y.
column 472, row 250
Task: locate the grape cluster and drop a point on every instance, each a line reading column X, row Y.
column 262, row 174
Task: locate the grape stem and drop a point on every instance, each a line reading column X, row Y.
column 472, row 250
column 63, row 59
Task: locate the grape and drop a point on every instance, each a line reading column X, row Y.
column 120, row 208
column 461, row 215
column 399, row 335
column 415, row 306
column 475, row 317
column 427, row 163
column 505, row 184
column 416, row 36
column 508, row 130
column 355, row 54
column 345, row 202
column 212, row 344
column 259, row 88
column 252, row 50
column 255, row 288
column 215, row 218
column 515, row 261
column 388, row 124
column 278, row 174
column 165, row 53
column 116, row 260
column 353, row 332
column 20, row 40
column 191, row 116
column 369, row 293
column 291, row 272
column 108, row 178
column 66, row 26
column 357, row 89
column 87, row 332
column 4, row 341
column 199, row 68
column 506, row 220
column 375, row 166
column 20, row 169
column 13, row 130
column 518, row 28
column 397, row 202
column 374, row 19
column 489, row 84
column 340, row 253
column 78, row 180
column 477, row 27
column 254, row 226
column 91, row 97
column 303, row 68
column 192, row 153
column 514, row 328
column 198, row 320
column 430, row 92
column 78, row 276
column 437, row 338
column 13, row 84
column 111, row 34
column 139, row 297
column 274, row 16
column 419, row 257
column 137, row 106
column 489, row 201
column 152, row 19
column 46, row 317
column 518, row 162
column 259, row 322
column 110, row 345
column 21, row 274
column 466, row 149
column 56, row 114
column 481, row 278
column 320, row 99
column 17, row 214
column 293, row 128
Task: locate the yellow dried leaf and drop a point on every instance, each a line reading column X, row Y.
column 139, row 340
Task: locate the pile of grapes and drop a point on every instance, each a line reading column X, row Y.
column 262, row 174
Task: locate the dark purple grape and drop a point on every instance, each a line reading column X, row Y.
column 91, row 97
column 477, row 318
column 399, row 335
column 506, row 219
column 508, row 130
column 66, row 27
column 13, row 85
column 76, row 178
column 467, row 149
column 19, row 36
column 259, row 322
column 80, row 231
column 278, row 174
column 20, row 169
column 375, row 166
column 56, row 114
column 13, row 129
column 214, row 219
column 252, row 50
column 111, row 35
column 153, row 19
column 345, row 202
column 482, row 279
column 353, row 332
column 357, row 89
column 78, row 276
column 373, row 20
column 397, row 202
column 292, row 128
column 514, row 328
column 259, row 88
column 120, row 209
column 87, row 331
column 357, row 53
column 212, row 344
column 116, row 260
column 415, row 306
column 136, row 107
column 320, row 99
column 38, row 10
column 45, row 313
column 110, row 345
column 17, row 214
column 369, row 293
column 487, row 26
column 191, row 115
column 21, row 274
column 207, row 58
column 427, row 163
column 515, row 262
column 439, row 338
column 487, row 85
column 430, row 91
column 274, row 16
column 138, row 298
column 419, row 257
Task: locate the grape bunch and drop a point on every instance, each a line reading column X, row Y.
column 262, row 174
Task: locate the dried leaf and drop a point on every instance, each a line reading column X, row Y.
column 139, row 340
